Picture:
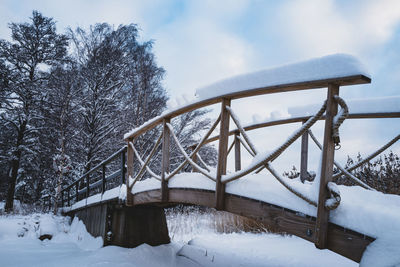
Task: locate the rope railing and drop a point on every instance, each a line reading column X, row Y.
column 371, row 156
column 344, row 171
column 146, row 162
column 197, row 148
column 142, row 163
column 188, row 158
column 273, row 155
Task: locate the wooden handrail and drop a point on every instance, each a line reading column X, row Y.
column 341, row 81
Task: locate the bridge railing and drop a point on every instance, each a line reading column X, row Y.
column 97, row 179
column 330, row 109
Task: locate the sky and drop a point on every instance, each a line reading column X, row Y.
column 199, row 42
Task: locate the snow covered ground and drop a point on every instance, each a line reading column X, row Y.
column 71, row 245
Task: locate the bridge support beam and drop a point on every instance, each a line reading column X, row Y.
column 222, row 154
column 124, row 226
column 165, row 160
column 328, row 151
column 129, row 163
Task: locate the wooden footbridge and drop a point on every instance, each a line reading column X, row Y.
column 121, row 199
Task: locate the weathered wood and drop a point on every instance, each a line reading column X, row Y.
column 76, row 192
column 328, row 150
column 133, row 226
column 103, row 179
column 343, row 241
column 349, row 80
column 69, row 198
column 222, row 154
column 238, row 164
column 123, row 169
column 165, row 160
column 129, row 174
column 304, row 156
column 378, row 115
column 87, row 185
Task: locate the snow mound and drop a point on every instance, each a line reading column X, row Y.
column 328, row 67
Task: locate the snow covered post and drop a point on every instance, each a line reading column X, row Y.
column 237, row 152
column 123, row 170
column 165, row 160
column 304, row 156
column 129, row 163
column 222, row 154
column 326, row 169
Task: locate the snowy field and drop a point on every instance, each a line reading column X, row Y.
column 73, row 246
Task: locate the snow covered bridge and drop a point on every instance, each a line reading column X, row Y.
column 125, row 206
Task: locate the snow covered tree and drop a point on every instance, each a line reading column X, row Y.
column 35, row 46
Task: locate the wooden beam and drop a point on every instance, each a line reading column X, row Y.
column 222, row 154
column 304, row 157
column 349, row 80
column 379, row 115
column 165, row 160
column 123, row 169
column 328, row 151
column 129, row 174
column 237, row 152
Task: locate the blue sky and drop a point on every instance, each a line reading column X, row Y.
column 199, row 42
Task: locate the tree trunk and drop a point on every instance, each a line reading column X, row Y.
column 12, row 180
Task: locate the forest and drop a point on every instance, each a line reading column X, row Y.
column 66, row 99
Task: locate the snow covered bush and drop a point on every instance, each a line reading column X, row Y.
column 383, row 173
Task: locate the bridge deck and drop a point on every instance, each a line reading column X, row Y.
column 364, row 211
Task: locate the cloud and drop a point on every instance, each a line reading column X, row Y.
column 321, row 27
column 197, row 48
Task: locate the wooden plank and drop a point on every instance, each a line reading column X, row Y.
column 165, row 160
column 304, row 157
column 123, row 169
column 328, row 153
column 349, row 80
column 222, row 154
column 103, row 179
column 129, row 174
column 238, row 161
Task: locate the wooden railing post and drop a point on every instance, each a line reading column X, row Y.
column 238, row 164
column 123, row 169
column 87, row 185
column 129, row 163
column 69, row 197
column 222, row 154
column 165, row 160
column 304, row 157
column 328, row 150
column 76, row 191
column 103, row 178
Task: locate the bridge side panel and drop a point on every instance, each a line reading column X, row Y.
column 94, row 218
column 133, row 226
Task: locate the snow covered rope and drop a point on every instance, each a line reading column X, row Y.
column 142, row 163
column 333, row 203
column 270, row 157
column 338, row 120
column 371, row 156
column 188, row 159
column 334, row 200
column 343, row 170
column 202, row 141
